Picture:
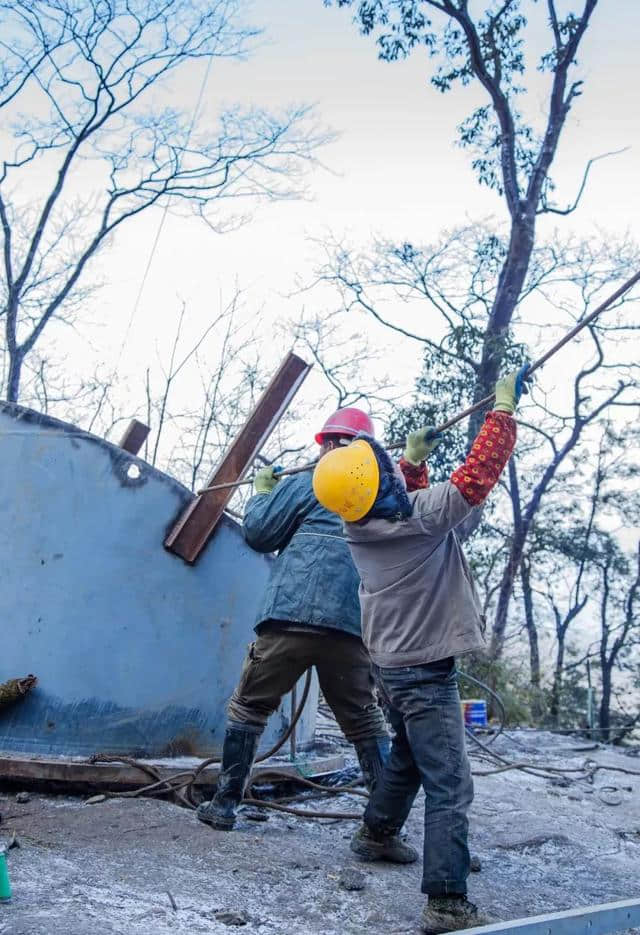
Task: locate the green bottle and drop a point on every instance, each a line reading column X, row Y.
column 5, row 885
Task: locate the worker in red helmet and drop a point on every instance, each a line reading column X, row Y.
column 310, row 616
column 345, row 423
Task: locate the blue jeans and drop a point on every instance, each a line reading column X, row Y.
column 423, row 706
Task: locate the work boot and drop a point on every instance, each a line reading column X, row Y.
column 450, row 914
column 372, row 755
column 369, row 845
column 238, row 752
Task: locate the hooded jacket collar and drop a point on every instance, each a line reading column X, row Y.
column 392, row 502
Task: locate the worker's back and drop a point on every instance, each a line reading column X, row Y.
column 314, row 581
column 419, row 602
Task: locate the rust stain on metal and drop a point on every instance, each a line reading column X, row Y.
column 193, row 529
column 185, row 744
column 15, row 689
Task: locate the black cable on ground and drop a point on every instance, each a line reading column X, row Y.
column 181, row 785
column 588, row 770
column 577, row 730
column 294, row 720
column 182, row 791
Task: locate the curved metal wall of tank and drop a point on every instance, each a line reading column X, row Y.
column 135, row 651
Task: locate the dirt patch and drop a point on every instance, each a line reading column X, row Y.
column 144, row 867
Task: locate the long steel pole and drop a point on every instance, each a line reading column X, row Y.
column 483, row 403
column 541, row 361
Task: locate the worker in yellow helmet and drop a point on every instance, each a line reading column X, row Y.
column 420, row 609
column 309, row 616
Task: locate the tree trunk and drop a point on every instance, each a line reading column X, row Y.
column 521, row 531
column 510, row 284
column 13, row 378
column 504, row 595
column 534, row 648
column 512, row 280
column 604, row 714
column 556, row 688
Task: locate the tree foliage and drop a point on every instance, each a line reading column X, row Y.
column 488, row 48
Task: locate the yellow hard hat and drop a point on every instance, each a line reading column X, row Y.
column 346, row 480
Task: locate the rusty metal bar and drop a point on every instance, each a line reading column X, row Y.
column 482, row 403
column 193, row 529
column 541, row 361
column 286, row 473
column 134, row 437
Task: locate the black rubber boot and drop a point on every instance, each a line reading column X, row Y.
column 371, row 846
column 238, row 752
column 372, row 755
column 450, row 914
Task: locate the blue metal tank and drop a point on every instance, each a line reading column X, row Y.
column 135, row 651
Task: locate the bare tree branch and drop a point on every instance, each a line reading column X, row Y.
column 91, row 68
column 546, row 208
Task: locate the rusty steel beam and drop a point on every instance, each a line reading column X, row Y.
column 134, row 437
column 69, row 773
column 193, row 529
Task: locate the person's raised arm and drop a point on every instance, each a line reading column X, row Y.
column 440, row 507
column 494, row 443
column 276, row 510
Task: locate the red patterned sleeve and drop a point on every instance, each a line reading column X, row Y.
column 488, row 456
column 415, row 475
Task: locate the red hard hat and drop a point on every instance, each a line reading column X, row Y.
column 349, row 422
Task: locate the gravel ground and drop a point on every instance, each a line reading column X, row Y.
column 143, row 867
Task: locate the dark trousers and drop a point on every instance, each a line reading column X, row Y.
column 278, row 658
column 423, row 706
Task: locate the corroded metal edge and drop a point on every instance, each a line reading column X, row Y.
column 54, row 426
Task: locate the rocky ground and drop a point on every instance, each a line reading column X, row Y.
column 144, row 867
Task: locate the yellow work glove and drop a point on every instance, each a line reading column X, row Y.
column 420, row 444
column 509, row 390
column 265, row 479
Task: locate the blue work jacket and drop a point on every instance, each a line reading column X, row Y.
column 314, row 580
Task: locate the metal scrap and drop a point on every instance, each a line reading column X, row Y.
column 15, row 689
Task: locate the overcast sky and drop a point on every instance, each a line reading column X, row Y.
column 393, row 170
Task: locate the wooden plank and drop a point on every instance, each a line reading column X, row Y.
column 30, row 770
column 193, row 529
column 134, row 437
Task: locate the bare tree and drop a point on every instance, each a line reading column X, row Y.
column 77, row 83
column 561, row 446
column 200, row 390
column 620, row 589
column 448, row 289
column 487, row 46
column 198, row 398
column 576, row 568
column 556, row 568
column 612, row 578
column 351, row 368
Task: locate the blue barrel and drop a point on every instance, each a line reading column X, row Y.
column 475, row 712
